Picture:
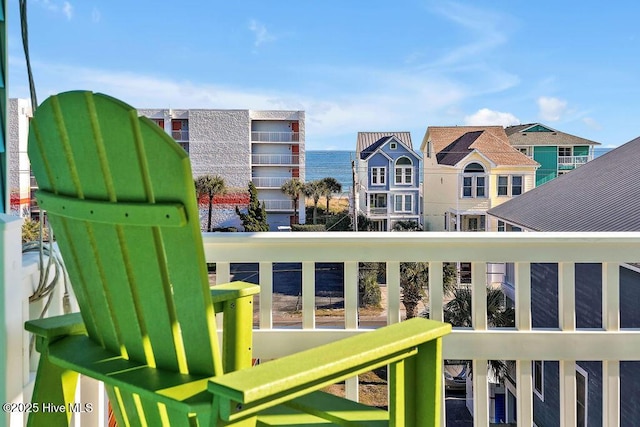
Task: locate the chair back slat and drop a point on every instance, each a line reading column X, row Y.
column 141, row 283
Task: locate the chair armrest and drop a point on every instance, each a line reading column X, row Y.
column 50, row 329
column 231, row 291
column 57, row 326
column 283, row 379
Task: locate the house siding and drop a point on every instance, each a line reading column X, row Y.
column 548, row 159
column 544, row 314
column 546, row 413
column 630, row 391
column 544, row 296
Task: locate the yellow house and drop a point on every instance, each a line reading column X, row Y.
column 467, row 171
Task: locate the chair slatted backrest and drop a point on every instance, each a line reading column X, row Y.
column 121, row 200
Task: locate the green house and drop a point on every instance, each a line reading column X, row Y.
column 557, row 152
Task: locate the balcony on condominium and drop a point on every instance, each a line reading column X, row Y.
column 275, row 137
column 275, row 159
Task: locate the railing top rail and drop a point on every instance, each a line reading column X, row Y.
column 422, row 246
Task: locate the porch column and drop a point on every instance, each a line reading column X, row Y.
column 11, row 330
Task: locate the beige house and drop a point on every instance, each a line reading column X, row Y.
column 468, row 170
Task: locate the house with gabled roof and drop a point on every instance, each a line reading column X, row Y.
column 604, row 196
column 388, row 179
column 556, row 151
column 468, row 170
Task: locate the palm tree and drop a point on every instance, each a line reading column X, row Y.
column 293, row 188
column 458, row 310
column 331, row 186
column 414, row 281
column 209, row 186
column 315, row 190
column 458, row 313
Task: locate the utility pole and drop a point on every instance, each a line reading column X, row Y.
column 354, row 191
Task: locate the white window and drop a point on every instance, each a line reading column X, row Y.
column 525, row 150
column 378, row 176
column 404, row 171
column 538, row 378
column 474, row 181
column 501, row 226
column 403, row 203
column 582, row 388
column 564, row 151
column 377, row 200
column 515, row 189
column 393, row 145
column 516, row 185
column 503, row 185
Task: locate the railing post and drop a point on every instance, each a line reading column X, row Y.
column 568, row 395
column 567, row 320
column 611, row 322
column 436, row 291
column 479, row 295
column 524, row 374
column 223, row 272
column 480, row 393
column 567, row 296
column 393, row 292
column 308, row 295
column 351, row 295
column 266, row 295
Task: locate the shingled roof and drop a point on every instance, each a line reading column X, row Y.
column 367, row 139
column 456, row 142
column 602, row 195
column 518, row 136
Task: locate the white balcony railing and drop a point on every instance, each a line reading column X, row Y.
column 522, row 344
column 269, row 181
column 275, row 159
column 278, row 205
column 480, row 343
column 275, row 136
column 383, row 211
column 573, row 160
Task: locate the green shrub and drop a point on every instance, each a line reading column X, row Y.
column 308, row 227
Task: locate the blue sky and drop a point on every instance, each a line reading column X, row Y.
column 351, row 65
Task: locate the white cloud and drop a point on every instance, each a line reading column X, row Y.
column 486, row 30
column 96, row 16
column 551, row 109
column 592, row 123
column 487, row 117
column 67, row 9
column 260, row 32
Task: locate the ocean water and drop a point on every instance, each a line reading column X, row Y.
column 336, row 164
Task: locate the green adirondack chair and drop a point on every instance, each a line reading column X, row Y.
column 120, row 196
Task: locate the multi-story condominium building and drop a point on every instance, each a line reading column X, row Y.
column 601, row 196
column 388, row 178
column 19, row 174
column 266, row 147
column 556, row 152
column 468, row 170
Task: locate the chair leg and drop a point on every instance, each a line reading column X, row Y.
column 54, row 390
column 415, row 388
